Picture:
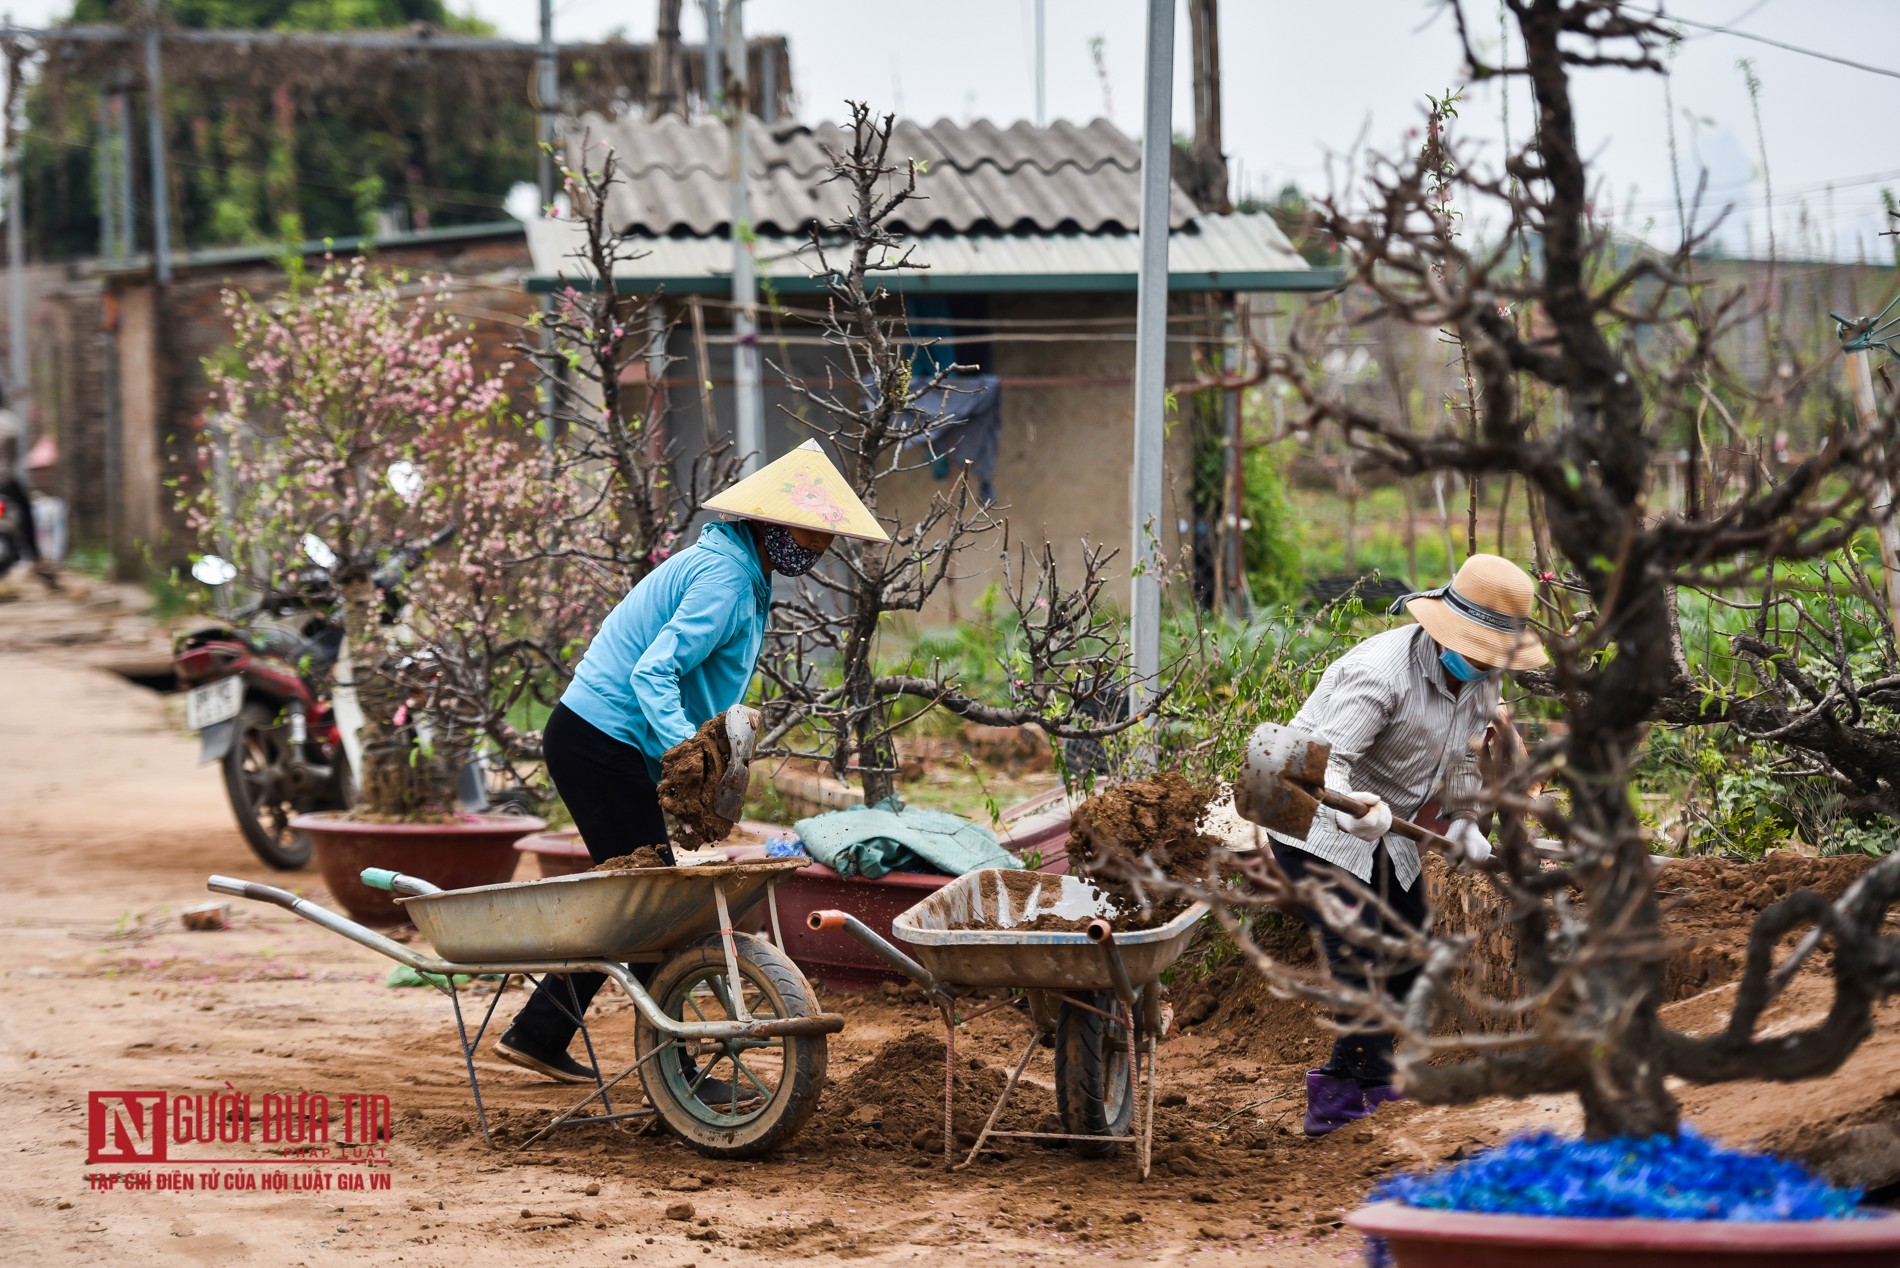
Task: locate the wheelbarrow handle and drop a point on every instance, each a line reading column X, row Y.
column 845, row 922
column 396, row 882
column 252, row 890
column 1102, row 934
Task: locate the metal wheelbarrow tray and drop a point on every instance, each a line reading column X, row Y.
column 951, row 934
column 590, row 915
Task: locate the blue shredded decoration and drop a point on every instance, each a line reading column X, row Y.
column 1687, row 1177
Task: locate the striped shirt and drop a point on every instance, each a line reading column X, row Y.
column 1397, row 731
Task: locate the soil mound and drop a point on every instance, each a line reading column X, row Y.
column 1710, row 904
column 898, row 1094
column 645, row 856
column 1044, row 891
column 689, row 781
column 1157, row 819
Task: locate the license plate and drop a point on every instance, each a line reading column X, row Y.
column 213, row 703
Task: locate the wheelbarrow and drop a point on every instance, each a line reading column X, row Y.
column 1094, row 991
column 730, row 1046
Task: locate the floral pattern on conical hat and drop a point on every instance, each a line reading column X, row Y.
column 801, row 490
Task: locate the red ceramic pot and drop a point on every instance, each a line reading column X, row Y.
column 839, row 960
column 470, row 850
column 1419, row 1238
column 561, row 853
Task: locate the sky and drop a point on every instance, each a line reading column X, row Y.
column 1307, row 82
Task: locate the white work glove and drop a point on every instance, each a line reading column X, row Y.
column 1472, row 845
column 1375, row 823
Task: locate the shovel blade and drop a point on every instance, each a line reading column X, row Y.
column 1283, row 770
column 742, row 733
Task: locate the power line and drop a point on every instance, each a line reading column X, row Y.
column 1762, row 39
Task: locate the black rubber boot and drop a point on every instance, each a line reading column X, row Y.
column 556, row 1065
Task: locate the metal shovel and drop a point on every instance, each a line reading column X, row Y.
column 1282, row 785
column 742, row 733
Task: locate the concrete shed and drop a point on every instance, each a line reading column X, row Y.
column 1026, row 241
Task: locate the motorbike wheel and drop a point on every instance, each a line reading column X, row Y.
column 256, row 781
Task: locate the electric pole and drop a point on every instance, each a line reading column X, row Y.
column 748, row 430
column 1151, row 355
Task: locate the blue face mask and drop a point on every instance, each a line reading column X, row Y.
column 1461, row 669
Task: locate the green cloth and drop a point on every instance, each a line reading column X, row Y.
column 870, row 841
column 403, row 975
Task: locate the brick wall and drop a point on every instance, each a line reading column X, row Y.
column 164, row 393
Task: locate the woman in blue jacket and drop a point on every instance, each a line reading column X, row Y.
column 679, row 650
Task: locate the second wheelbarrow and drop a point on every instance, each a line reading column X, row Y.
column 1095, row 990
column 730, row 1046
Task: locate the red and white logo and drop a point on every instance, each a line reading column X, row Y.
column 125, row 1126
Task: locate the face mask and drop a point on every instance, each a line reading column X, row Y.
column 786, row 555
column 1461, row 669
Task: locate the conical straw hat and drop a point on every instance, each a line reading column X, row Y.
column 1484, row 614
column 801, row 490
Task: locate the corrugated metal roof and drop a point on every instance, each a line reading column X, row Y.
column 982, row 177
column 1216, row 253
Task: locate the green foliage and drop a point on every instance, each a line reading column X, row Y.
column 1738, row 801
column 1293, row 212
column 256, row 163
column 1270, row 540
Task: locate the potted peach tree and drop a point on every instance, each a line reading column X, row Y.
column 1587, row 359
column 356, row 425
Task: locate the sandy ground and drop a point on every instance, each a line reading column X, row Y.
column 110, row 828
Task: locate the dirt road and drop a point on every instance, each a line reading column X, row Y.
column 110, row 828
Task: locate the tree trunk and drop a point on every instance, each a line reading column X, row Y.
column 1206, row 180
column 870, row 714
column 666, row 86
column 399, row 780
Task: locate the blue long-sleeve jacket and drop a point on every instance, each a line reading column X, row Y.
column 680, row 648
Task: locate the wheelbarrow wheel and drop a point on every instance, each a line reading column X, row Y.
column 738, row 1098
column 1092, row 1093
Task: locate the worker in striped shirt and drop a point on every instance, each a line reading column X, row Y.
column 1402, row 711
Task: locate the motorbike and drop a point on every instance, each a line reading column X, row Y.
column 259, row 693
column 266, row 691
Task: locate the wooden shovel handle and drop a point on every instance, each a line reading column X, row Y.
column 1404, row 827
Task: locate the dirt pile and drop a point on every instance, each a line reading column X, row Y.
column 689, row 782
column 1155, row 819
column 898, row 1096
column 1045, row 891
column 644, row 857
column 1233, row 1005
column 1710, row 904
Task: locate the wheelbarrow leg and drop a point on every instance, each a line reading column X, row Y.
column 1003, row 1100
column 1145, row 1108
column 735, row 984
column 579, row 1016
column 949, row 1086
column 468, row 1049
column 601, row 1092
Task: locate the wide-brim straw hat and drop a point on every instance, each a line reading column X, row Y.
column 801, row 490
column 1483, row 615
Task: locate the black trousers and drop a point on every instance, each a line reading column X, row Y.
column 1365, row 1057
column 604, row 784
